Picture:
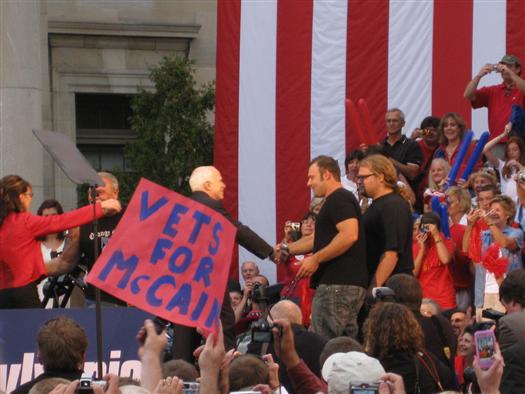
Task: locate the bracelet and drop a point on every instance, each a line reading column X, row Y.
column 438, row 241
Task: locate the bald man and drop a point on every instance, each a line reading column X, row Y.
column 207, row 188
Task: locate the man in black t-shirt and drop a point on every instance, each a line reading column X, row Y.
column 404, row 153
column 106, row 226
column 337, row 266
column 387, row 222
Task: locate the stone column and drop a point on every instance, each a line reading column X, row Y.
column 21, row 91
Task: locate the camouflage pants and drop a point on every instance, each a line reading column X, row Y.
column 335, row 309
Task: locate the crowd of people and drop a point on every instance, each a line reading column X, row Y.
column 386, row 282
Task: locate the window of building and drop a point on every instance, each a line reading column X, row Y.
column 103, row 128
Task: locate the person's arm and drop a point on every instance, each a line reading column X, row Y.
column 302, row 246
column 470, row 90
column 347, row 235
column 385, row 268
column 238, row 310
column 516, row 79
column 43, row 225
column 501, row 239
column 442, row 250
column 410, row 170
column 210, row 361
column 472, row 218
column 487, row 150
column 420, row 256
column 66, row 262
column 303, row 380
column 152, row 346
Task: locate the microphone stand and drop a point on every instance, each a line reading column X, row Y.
column 98, row 308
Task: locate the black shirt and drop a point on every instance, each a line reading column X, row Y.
column 348, row 268
column 106, row 226
column 404, row 151
column 388, row 227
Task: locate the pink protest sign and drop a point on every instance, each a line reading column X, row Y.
column 169, row 256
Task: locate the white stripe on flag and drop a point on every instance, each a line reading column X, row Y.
column 488, row 46
column 327, row 134
column 410, row 60
column 257, row 123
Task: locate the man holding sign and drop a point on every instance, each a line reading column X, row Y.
column 207, row 188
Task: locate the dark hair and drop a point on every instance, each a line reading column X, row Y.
column 407, row 290
column 392, row 328
column 11, row 186
column 354, row 155
column 49, row 204
column 489, row 188
column 327, row 163
column 430, row 121
column 339, row 345
column 513, row 287
column 431, row 218
column 62, row 344
column 246, row 371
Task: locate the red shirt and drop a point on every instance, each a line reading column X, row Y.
column 499, row 105
column 442, row 152
column 21, row 260
column 434, row 277
column 301, row 293
column 460, row 267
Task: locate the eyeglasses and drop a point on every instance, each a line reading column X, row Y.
column 30, row 194
column 363, row 177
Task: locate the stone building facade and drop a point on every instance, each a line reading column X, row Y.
column 66, row 64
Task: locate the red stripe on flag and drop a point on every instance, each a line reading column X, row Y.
column 515, row 30
column 367, row 62
column 452, row 57
column 292, row 113
column 227, row 105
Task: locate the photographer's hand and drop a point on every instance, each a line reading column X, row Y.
column 284, row 343
column 150, row 352
column 490, row 379
column 273, row 369
column 392, row 384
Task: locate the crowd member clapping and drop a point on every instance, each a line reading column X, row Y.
column 501, row 246
column 21, row 261
column 432, row 254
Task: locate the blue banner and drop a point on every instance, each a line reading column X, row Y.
column 18, row 347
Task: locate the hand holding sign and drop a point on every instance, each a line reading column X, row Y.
column 169, row 256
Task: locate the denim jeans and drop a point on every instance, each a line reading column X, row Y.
column 335, row 309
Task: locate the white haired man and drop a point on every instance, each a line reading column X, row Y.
column 207, row 188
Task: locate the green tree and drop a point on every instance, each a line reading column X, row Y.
column 174, row 134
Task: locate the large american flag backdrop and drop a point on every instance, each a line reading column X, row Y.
column 285, row 67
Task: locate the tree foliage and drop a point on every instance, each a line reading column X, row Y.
column 174, row 134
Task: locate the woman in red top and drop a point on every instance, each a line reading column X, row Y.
column 21, row 261
column 432, row 254
column 298, row 290
column 452, row 129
